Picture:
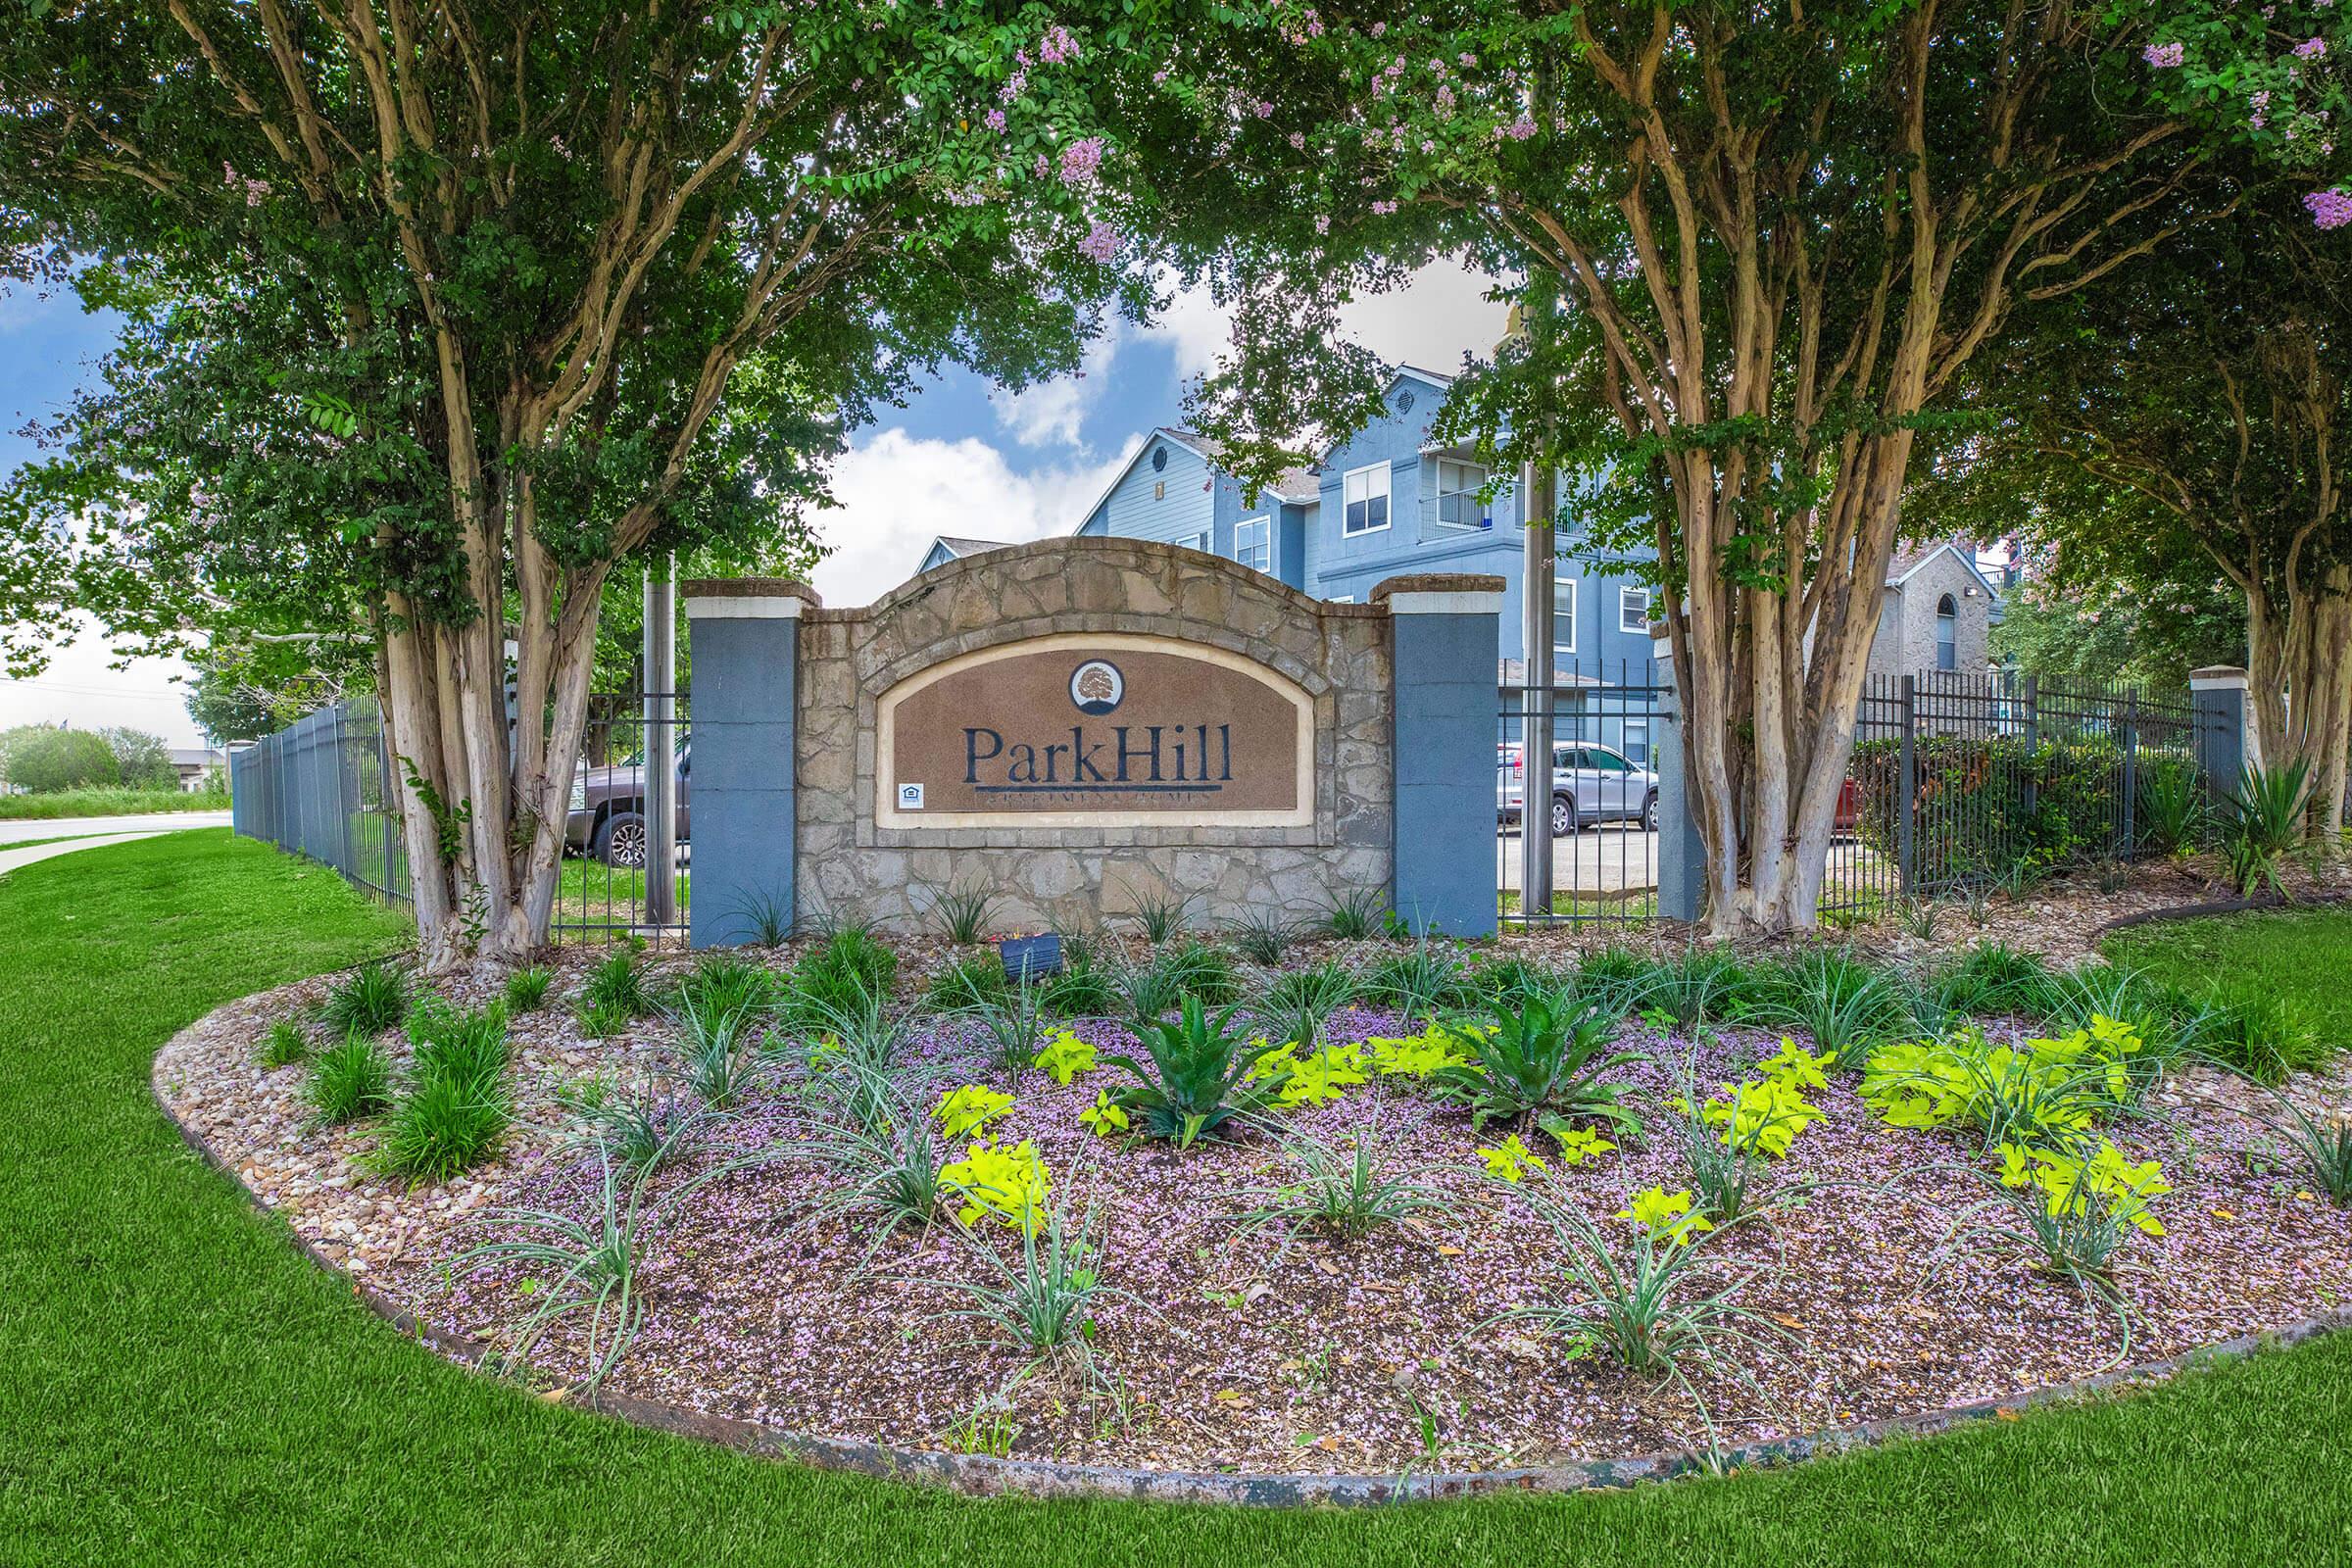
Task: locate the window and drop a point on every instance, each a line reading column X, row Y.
column 1341, row 598
column 1947, row 633
column 1563, row 615
column 1637, row 741
column 1601, row 759
column 1253, row 543
column 1457, row 487
column 1633, row 609
column 1203, row 542
column 1366, row 495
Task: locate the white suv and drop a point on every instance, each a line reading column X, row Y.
column 1589, row 783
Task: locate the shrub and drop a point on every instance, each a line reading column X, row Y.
column 1542, row 1057
column 1991, row 805
column 1357, row 914
column 372, row 998
column 526, row 988
column 44, row 760
column 617, row 985
column 1192, row 1077
column 2172, row 814
column 2266, row 824
column 351, row 1080
column 282, row 1046
column 962, row 914
column 1263, row 936
column 1346, row 1189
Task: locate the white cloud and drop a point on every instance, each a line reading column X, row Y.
column 1428, row 321
column 81, row 688
column 1050, row 413
column 897, row 492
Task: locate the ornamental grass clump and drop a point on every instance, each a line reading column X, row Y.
column 874, row 1142
column 616, row 986
column 1613, row 981
column 962, row 914
column 528, row 988
column 369, row 1000
column 644, row 1136
column 1192, row 1077
column 350, row 1081
column 1646, row 1296
column 1845, row 1005
column 1989, row 979
column 1420, row 982
column 283, row 1046
column 850, row 969
column 593, row 1262
column 1545, row 1059
column 1263, row 936
column 1085, row 988
column 970, row 984
column 456, row 1108
column 1694, row 988
column 1345, row 1187
column 722, row 983
column 1356, row 917
column 1298, row 1008
column 1161, row 916
column 1014, row 1020
column 2321, row 1144
column 1043, row 1299
column 716, row 1060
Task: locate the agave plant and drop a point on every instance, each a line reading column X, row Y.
column 1194, row 1078
column 1542, row 1057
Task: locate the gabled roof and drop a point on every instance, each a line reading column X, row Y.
column 1296, row 486
column 1909, row 560
column 960, row 546
column 1436, row 378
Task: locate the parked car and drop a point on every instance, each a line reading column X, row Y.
column 607, row 809
column 1589, row 783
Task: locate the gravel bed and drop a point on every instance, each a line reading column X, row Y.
column 1266, row 1351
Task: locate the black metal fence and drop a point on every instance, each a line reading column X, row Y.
column 1593, row 831
column 325, row 787
column 1964, row 781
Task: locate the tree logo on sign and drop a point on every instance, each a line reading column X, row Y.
column 1098, row 687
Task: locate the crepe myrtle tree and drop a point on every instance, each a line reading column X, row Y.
column 1776, row 237
column 2194, row 421
column 438, row 311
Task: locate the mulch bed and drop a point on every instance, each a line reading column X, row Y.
column 1267, row 1352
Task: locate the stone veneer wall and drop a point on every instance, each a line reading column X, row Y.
column 1074, row 878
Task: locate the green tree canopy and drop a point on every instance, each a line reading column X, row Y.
column 43, row 758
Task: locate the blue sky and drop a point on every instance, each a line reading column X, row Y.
column 962, row 457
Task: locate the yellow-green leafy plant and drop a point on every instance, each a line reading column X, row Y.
column 2039, row 1093
column 1319, row 1079
column 1511, row 1160
column 1580, row 1144
column 969, row 1110
column 1105, row 1116
column 1417, row 1055
column 1064, row 1056
column 1765, row 1114
column 1667, row 1218
column 1794, row 1064
column 1009, row 1184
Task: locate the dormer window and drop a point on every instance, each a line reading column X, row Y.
column 1364, row 493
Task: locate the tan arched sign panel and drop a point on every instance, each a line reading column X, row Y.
column 1083, row 730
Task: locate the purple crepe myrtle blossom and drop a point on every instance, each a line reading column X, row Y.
column 1100, row 244
column 1013, row 86
column 2328, row 209
column 2164, row 56
column 995, row 121
column 1265, row 110
column 1297, row 140
column 1383, row 209
column 2311, row 49
column 1322, row 223
column 1057, row 45
column 1080, row 158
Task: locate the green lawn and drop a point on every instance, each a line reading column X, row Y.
column 2302, row 956
column 105, row 802
column 182, row 1386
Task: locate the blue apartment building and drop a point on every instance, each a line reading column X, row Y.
column 1385, row 503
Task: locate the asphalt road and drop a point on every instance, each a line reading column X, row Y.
column 17, row 830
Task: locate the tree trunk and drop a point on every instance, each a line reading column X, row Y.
column 2300, row 680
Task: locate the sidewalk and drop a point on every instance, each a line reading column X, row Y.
column 19, row 830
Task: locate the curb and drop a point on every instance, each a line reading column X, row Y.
column 986, row 1474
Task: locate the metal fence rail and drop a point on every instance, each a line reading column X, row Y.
column 1963, row 781
column 1599, row 814
column 325, row 787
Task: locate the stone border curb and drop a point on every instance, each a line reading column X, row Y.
column 987, row 1476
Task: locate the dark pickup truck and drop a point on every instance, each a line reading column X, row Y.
column 607, row 809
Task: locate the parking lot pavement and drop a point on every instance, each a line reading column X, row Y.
column 1613, row 858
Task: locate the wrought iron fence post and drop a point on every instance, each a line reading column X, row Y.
column 1906, row 792
column 2131, row 801
column 2032, row 766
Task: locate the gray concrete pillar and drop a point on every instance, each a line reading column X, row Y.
column 740, row 806
column 2218, row 695
column 1446, row 632
column 1682, row 853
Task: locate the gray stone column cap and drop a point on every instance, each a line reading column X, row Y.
column 2218, row 678
column 747, row 598
column 1440, row 593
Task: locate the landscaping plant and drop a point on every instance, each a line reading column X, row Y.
column 2173, row 812
column 1299, row 1006
column 969, row 984
column 2323, row 1143
column 1845, row 1005
column 1544, row 1059
column 2266, row 824
column 1345, row 1187
column 1161, row 915
column 1043, row 1299
column 1356, row 915
column 1192, row 1077
column 961, row 914
column 350, row 1081
column 528, row 988
column 1263, row 936
column 876, row 1146
column 372, row 998
column 283, row 1046
column 456, row 1106
column 850, row 970
column 2039, row 1092
column 616, row 987
column 594, row 1261
column 1420, row 982
column 1085, row 988
column 715, row 1063
column 1013, row 1019
column 721, row 983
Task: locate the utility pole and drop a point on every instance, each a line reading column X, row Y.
column 661, row 744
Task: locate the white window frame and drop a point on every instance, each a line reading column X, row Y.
column 1439, row 492
column 1341, row 598
column 1628, row 730
column 1570, row 584
column 1264, row 546
column 1206, row 541
column 1629, row 596
column 1388, row 494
